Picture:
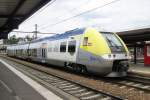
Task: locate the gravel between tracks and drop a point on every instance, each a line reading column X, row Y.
column 99, row 85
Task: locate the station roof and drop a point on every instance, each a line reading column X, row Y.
column 13, row 12
column 134, row 36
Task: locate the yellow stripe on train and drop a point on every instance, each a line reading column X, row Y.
column 96, row 42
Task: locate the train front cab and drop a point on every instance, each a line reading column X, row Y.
column 120, row 58
column 106, row 57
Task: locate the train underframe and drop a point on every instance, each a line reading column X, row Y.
column 119, row 69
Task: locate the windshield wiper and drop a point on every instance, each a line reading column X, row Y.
column 113, row 43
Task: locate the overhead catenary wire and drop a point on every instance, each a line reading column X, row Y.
column 51, row 25
column 40, row 10
column 70, row 11
column 32, row 32
column 64, row 19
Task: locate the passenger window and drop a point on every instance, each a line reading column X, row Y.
column 50, row 49
column 34, row 52
column 56, row 47
column 85, row 41
column 72, row 46
column 63, row 47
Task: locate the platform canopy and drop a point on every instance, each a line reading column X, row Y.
column 13, row 12
column 134, row 36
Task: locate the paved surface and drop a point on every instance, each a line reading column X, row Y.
column 5, row 94
column 12, row 87
column 140, row 68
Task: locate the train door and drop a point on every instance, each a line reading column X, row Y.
column 44, row 50
column 72, row 49
column 147, row 54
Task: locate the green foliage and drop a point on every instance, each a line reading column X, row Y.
column 28, row 38
column 14, row 40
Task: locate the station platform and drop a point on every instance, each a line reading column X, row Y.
column 14, row 85
column 139, row 69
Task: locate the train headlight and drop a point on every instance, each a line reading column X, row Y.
column 109, row 56
column 114, row 55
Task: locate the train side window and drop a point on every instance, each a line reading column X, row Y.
column 50, row 49
column 56, row 47
column 29, row 52
column 63, row 47
column 34, row 52
column 85, row 41
column 72, row 46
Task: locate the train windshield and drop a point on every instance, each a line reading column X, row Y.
column 113, row 42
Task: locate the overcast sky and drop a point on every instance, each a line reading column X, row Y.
column 116, row 15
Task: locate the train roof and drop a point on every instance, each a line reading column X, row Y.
column 67, row 34
column 64, row 35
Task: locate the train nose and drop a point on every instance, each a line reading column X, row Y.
column 119, row 69
column 125, row 65
column 117, row 74
column 120, row 66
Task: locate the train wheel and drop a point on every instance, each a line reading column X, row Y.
column 77, row 68
column 84, row 70
column 73, row 67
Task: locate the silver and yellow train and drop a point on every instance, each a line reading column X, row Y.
column 86, row 49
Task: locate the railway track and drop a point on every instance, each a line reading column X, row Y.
column 139, row 78
column 76, row 90
column 66, row 89
column 137, row 82
column 82, row 87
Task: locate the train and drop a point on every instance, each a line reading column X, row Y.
column 82, row 49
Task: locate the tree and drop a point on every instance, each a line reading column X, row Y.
column 28, row 38
column 13, row 40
